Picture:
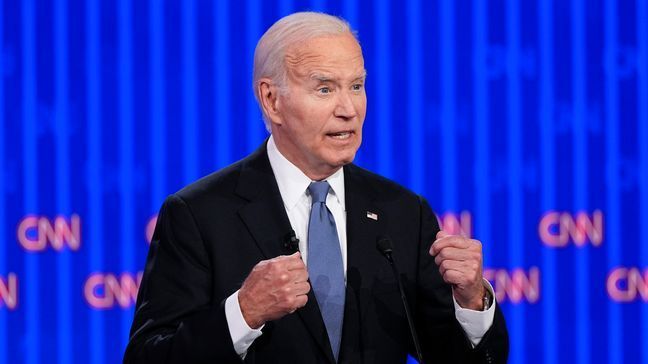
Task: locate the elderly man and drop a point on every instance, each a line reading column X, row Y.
column 273, row 259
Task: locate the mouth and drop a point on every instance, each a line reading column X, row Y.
column 341, row 135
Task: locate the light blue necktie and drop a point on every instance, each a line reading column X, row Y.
column 325, row 267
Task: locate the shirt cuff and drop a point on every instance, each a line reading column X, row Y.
column 242, row 335
column 476, row 323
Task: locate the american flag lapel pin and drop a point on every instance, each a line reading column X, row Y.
column 372, row 215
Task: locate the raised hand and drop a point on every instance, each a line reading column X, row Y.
column 460, row 263
column 275, row 288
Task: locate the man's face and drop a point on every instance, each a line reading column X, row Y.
column 319, row 120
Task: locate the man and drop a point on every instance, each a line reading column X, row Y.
column 223, row 283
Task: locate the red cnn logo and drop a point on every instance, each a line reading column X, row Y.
column 105, row 291
column 9, row 291
column 35, row 232
column 557, row 228
column 625, row 284
column 516, row 285
column 457, row 224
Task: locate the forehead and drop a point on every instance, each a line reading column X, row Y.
column 338, row 56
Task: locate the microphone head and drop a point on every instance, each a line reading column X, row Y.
column 384, row 245
column 291, row 243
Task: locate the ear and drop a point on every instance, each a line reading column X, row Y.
column 269, row 99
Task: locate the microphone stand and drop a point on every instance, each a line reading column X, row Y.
column 384, row 245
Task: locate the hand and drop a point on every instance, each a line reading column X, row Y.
column 275, row 288
column 460, row 263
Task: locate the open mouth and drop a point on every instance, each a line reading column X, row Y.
column 341, row 135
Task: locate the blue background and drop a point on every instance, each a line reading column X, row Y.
column 504, row 109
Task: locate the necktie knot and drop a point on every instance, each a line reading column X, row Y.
column 319, row 191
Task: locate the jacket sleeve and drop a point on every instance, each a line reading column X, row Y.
column 442, row 337
column 176, row 319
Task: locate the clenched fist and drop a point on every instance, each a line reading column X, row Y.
column 275, row 288
column 460, row 263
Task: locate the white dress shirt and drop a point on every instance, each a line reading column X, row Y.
column 293, row 186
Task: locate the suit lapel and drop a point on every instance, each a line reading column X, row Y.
column 265, row 217
column 264, row 214
column 363, row 226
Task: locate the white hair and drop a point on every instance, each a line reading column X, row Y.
column 292, row 29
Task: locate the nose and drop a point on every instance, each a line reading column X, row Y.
column 345, row 109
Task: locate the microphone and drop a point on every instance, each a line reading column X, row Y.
column 290, row 242
column 384, row 246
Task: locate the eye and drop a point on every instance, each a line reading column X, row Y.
column 357, row 87
column 324, row 90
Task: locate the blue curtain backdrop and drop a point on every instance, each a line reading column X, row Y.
column 524, row 123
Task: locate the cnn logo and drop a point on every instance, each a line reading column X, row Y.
column 516, row 285
column 557, row 229
column 35, row 233
column 106, row 290
column 628, row 284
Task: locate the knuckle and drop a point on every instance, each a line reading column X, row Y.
column 284, row 278
column 475, row 267
column 285, row 290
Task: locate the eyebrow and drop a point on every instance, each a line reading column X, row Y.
column 327, row 78
column 364, row 74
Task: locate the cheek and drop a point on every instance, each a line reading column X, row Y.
column 316, row 119
column 299, row 120
column 361, row 107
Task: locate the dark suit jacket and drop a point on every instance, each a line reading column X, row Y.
column 210, row 234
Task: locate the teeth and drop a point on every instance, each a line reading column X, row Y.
column 343, row 135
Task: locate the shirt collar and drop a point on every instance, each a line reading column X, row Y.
column 293, row 183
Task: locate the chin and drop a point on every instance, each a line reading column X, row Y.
column 337, row 158
column 345, row 160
